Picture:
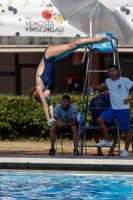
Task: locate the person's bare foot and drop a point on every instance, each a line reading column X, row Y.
column 51, row 122
column 101, row 39
column 111, row 152
column 99, row 151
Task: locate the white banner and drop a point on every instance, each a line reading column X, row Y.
column 35, row 21
column 40, row 18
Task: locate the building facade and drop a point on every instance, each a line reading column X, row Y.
column 24, row 37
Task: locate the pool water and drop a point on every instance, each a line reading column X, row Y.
column 65, row 186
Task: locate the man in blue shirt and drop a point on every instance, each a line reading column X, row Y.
column 99, row 104
column 65, row 115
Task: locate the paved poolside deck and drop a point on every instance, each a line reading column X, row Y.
column 39, row 160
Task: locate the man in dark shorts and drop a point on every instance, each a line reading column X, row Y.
column 97, row 105
column 66, row 116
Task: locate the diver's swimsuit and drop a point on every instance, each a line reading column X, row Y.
column 46, row 75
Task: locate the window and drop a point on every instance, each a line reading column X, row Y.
column 74, row 84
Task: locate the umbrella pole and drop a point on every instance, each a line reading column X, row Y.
column 91, row 19
column 90, row 30
column 114, row 57
column 83, row 58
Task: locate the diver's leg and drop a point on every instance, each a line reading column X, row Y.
column 63, row 50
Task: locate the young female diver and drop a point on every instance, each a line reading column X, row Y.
column 44, row 70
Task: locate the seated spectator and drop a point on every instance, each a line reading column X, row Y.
column 97, row 106
column 65, row 115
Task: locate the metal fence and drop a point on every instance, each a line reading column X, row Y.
column 18, row 41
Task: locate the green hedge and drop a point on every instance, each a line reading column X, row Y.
column 24, row 117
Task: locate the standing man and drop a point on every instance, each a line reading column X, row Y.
column 119, row 90
column 66, row 116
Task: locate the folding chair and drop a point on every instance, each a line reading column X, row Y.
column 61, row 138
column 66, row 134
column 115, row 127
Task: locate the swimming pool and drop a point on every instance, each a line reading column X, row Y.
column 65, row 186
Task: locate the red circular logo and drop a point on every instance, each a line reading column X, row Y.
column 47, row 14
